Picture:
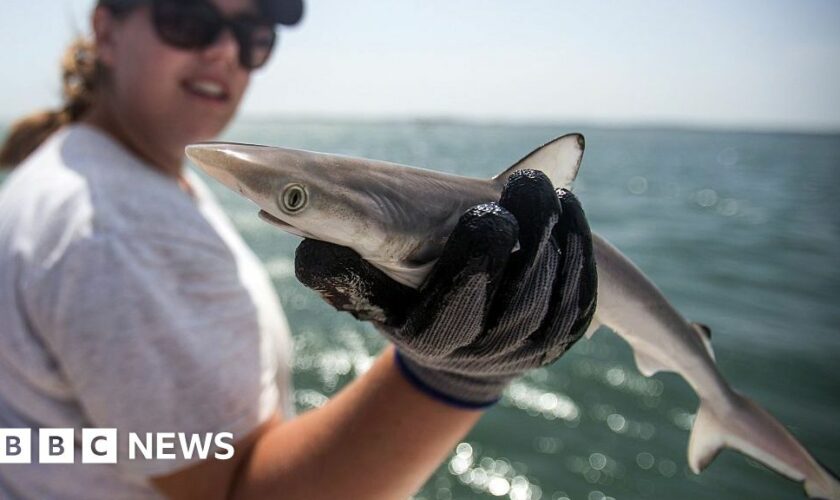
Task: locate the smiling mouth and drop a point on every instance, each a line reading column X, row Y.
column 274, row 221
column 206, row 89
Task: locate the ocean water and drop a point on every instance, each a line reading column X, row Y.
column 741, row 232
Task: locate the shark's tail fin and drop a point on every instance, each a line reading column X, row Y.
column 749, row 429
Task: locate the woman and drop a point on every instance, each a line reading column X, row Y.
column 130, row 302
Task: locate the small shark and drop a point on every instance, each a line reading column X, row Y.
column 399, row 217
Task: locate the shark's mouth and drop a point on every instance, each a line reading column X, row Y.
column 274, row 221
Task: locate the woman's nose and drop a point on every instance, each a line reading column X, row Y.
column 224, row 48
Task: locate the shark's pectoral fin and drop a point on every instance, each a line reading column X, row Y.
column 558, row 159
column 593, row 327
column 404, row 273
column 646, row 364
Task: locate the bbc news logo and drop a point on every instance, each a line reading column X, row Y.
column 99, row 446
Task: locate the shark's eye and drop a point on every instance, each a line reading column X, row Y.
column 293, row 199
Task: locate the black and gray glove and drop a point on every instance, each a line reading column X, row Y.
column 484, row 315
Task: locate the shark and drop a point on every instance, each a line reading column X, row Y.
column 398, row 218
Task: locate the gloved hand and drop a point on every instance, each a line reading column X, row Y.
column 484, row 315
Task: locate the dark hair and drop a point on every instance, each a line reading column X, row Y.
column 80, row 74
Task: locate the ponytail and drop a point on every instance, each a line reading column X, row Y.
column 79, row 73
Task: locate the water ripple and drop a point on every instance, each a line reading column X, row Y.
column 497, row 477
column 537, row 402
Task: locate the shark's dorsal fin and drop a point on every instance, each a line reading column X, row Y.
column 558, row 159
column 705, row 335
column 704, row 329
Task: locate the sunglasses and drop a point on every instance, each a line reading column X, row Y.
column 197, row 24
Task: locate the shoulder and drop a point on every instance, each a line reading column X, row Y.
column 125, row 193
column 82, row 185
column 43, row 203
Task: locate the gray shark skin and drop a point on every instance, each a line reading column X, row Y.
column 398, row 218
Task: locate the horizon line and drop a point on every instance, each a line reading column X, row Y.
column 433, row 120
column 438, row 120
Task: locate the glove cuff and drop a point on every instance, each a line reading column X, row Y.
column 452, row 389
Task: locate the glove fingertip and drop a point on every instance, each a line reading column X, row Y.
column 481, row 241
column 529, row 194
column 487, row 223
column 572, row 211
column 317, row 262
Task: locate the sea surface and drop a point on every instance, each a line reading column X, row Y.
column 741, row 231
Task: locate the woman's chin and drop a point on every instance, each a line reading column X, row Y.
column 203, row 132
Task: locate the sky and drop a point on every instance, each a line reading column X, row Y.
column 755, row 64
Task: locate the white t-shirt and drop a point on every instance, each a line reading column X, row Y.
column 126, row 303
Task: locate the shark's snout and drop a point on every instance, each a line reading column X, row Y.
column 240, row 167
column 204, row 154
column 213, row 159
